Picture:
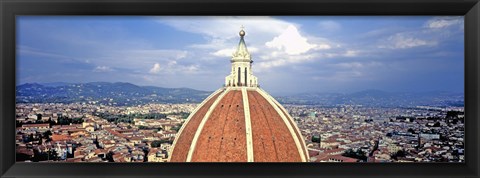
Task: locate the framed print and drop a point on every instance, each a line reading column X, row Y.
column 239, row 88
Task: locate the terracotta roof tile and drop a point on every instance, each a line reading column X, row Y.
column 223, row 136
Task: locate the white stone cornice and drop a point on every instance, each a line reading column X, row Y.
column 248, row 125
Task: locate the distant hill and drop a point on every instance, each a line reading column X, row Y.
column 127, row 94
column 105, row 93
column 378, row 98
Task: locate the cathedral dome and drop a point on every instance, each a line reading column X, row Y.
column 239, row 123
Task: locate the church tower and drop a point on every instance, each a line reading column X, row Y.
column 241, row 74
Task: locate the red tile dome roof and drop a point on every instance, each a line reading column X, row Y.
column 239, row 124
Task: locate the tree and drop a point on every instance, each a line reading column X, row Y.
column 411, row 130
column 77, row 120
column 359, row 154
column 96, row 142
column 399, row 153
column 18, row 123
column 63, row 120
column 30, row 137
column 47, row 134
column 53, row 155
column 22, row 157
column 37, row 156
column 157, row 143
column 109, row 156
column 316, row 139
column 39, row 117
column 452, row 114
column 184, row 115
column 176, row 128
column 455, row 121
column 40, row 139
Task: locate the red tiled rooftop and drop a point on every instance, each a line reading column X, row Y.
column 182, row 145
column 56, row 137
column 223, row 136
column 313, row 153
column 272, row 141
column 334, row 150
column 343, row 158
column 35, row 125
column 297, row 132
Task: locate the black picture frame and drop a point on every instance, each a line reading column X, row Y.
column 9, row 9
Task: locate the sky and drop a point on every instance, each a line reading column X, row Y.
column 291, row 54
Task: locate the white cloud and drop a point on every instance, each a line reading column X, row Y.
column 173, row 68
column 172, row 63
column 291, row 42
column 229, row 51
column 252, row 49
column 403, row 41
column 221, row 34
column 272, row 42
column 350, row 65
column 224, row 52
column 329, row 25
column 350, row 71
column 155, row 69
column 173, row 54
column 273, row 61
column 225, row 27
column 323, row 46
column 191, row 68
column 351, row 53
column 138, row 59
column 444, row 22
column 270, row 64
column 342, row 53
column 102, row 69
column 29, row 51
column 357, row 65
column 435, row 32
column 149, row 78
column 341, row 76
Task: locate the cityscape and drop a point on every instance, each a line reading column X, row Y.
column 240, row 89
column 89, row 132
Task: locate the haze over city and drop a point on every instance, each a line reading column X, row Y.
column 290, row 54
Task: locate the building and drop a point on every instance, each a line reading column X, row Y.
column 239, row 122
column 36, row 126
column 156, row 155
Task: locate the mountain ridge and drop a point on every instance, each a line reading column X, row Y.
column 117, row 93
column 124, row 93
